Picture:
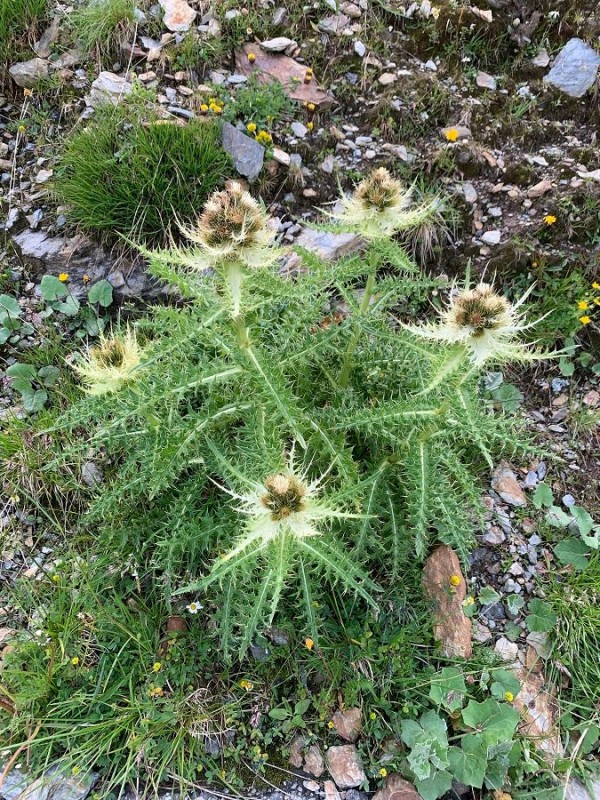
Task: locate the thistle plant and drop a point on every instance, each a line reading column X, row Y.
column 269, row 456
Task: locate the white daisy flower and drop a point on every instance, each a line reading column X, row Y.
column 486, row 324
column 381, row 207
column 111, row 364
column 194, row 607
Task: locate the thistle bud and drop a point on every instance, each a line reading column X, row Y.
column 111, row 364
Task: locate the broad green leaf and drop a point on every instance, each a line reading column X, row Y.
column 590, row 739
column 593, row 541
column 434, row 787
column 34, row 400
column 541, row 618
column 434, row 725
column 488, row 596
column 301, row 707
column 448, row 689
column 585, row 523
column 514, row 603
column 572, row 552
column 567, row 367
column 5, row 335
column 25, row 371
column 52, row 289
column 410, row 732
column 49, row 375
column 492, row 380
column 279, row 713
column 504, row 681
column 70, row 307
column 469, row 762
column 512, row 631
column 542, row 496
column 557, row 517
column 8, row 307
column 508, row 396
column 493, row 720
column 419, row 760
column 101, row 292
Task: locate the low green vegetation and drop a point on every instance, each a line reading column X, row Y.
column 20, row 24
column 269, row 470
column 102, row 26
column 128, row 172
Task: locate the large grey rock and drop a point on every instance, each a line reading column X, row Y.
column 577, row 790
column 85, row 263
column 109, row 88
column 54, row 786
column 575, row 68
column 329, row 246
column 29, row 73
column 14, row 783
column 248, row 155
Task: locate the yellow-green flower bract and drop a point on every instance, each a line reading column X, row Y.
column 111, row 364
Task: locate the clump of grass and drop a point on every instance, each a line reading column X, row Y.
column 20, row 24
column 124, row 175
column 102, row 25
column 576, row 603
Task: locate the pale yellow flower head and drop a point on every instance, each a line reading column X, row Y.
column 380, row 207
column 233, row 227
column 111, row 364
column 486, row 324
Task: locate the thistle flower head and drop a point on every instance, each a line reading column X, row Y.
column 286, row 502
column 486, row 324
column 233, row 227
column 380, row 207
column 110, row 364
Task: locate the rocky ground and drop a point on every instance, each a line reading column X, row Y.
column 497, row 108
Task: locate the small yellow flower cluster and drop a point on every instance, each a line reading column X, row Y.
column 469, row 601
column 156, row 691
column 452, row 135
column 263, row 137
column 214, row 105
column 509, row 697
column 454, row 580
column 308, row 75
column 247, row 685
column 587, row 304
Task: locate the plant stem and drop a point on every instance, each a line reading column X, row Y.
column 347, row 365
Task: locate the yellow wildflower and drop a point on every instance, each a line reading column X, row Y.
column 383, row 772
column 27, row 92
column 63, row 277
column 311, row 106
column 372, row 715
column 309, row 644
column 595, row 285
column 549, row 219
column 469, row 601
column 597, row 301
column 22, row 128
column 251, row 127
column 330, row 725
column 585, row 320
column 247, row 685
column 308, row 76
column 157, row 666
column 75, row 661
column 263, row 137
column 582, row 305
column 310, row 125
column 452, row 135
column 86, row 278
column 509, row 697
column 435, row 12
column 203, row 108
column 156, row 691
column 251, row 58
column 454, row 580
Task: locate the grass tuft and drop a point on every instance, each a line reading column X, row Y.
column 20, row 25
column 124, row 175
column 103, row 25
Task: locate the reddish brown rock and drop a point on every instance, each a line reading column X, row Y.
column 345, row 766
column 539, row 712
column 450, row 626
column 505, row 483
column 347, row 724
column 296, row 748
column 396, row 788
column 268, row 67
column 313, row 761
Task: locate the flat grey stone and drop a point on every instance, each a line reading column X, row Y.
column 248, row 155
column 54, row 786
column 28, row 73
column 491, row 237
column 328, row 246
column 575, row 68
column 109, row 88
column 37, row 244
